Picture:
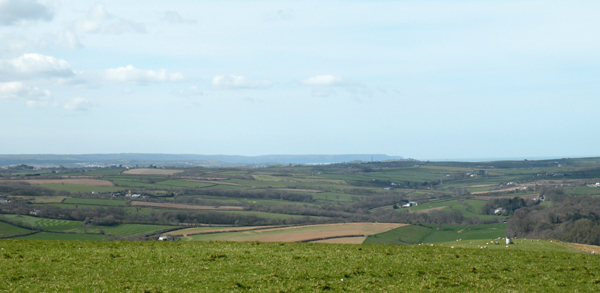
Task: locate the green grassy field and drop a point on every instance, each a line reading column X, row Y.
column 11, row 230
column 80, row 188
column 472, row 208
column 62, row 236
column 464, row 232
column 48, row 224
column 92, row 201
column 98, row 266
column 180, row 183
column 429, row 233
column 108, row 171
column 124, row 230
column 407, row 235
column 133, row 229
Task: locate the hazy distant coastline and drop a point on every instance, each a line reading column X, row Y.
column 184, row 159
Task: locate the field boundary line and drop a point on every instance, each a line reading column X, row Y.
column 332, row 237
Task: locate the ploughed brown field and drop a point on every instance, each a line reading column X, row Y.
column 89, row 182
column 305, row 233
column 184, row 206
column 148, row 171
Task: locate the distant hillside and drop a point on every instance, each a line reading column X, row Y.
column 185, row 160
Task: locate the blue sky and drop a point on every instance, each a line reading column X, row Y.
column 419, row 79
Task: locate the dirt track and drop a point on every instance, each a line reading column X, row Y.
column 184, row 206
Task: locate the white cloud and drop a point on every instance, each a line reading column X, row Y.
column 191, row 91
column 99, row 13
column 325, row 85
column 13, row 44
column 175, row 18
column 35, row 97
column 86, row 26
column 34, row 66
column 237, row 82
column 324, row 80
column 62, row 40
column 98, row 20
column 134, row 75
column 14, row 11
column 78, row 104
column 17, row 90
column 46, row 103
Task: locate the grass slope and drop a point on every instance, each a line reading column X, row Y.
column 91, row 201
column 407, row 235
column 7, row 230
column 62, row 236
column 77, row 227
column 429, row 233
column 97, row 266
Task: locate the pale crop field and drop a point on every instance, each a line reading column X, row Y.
column 303, row 233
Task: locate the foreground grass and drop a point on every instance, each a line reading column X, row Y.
column 35, row 266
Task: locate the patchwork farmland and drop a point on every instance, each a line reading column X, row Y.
column 290, row 203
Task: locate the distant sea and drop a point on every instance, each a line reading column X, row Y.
column 498, row 159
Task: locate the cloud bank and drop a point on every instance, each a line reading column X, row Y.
column 237, row 82
column 130, row 74
column 325, row 80
column 98, row 20
column 30, row 66
column 13, row 11
column 78, row 104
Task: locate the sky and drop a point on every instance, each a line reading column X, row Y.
column 418, row 79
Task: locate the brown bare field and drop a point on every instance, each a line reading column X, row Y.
column 147, row 171
column 480, row 185
column 89, row 182
column 303, row 233
column 584, row 247
column 183, row 206
column 525, row 196
column 343, row 240
column 299, row 190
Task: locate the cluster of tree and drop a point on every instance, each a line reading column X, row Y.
column 576, row 219
column 505, row 206
column 26, row 189
column 554, row 194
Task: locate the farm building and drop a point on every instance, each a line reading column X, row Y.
column 166, row 238
column 409, row 204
